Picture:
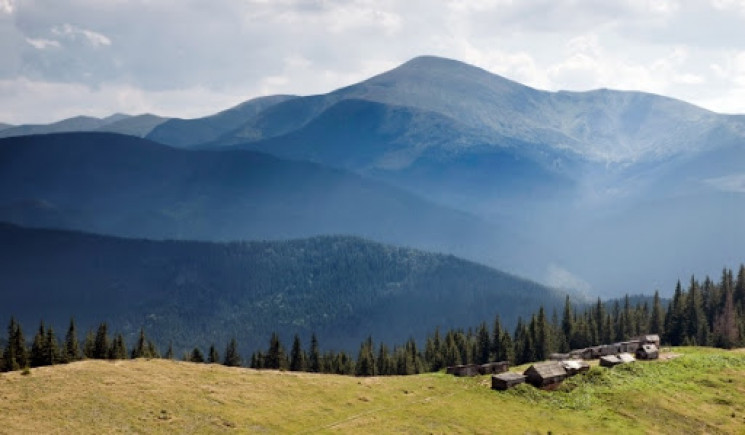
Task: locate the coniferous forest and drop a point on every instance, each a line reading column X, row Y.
column 703, row 313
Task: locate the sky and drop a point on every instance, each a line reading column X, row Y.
column 188, row 58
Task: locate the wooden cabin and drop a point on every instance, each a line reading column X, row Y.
column 574, row 367
column 464, row 370
column 647, row 352
column 494, row 368
column 545, row 374
column 505, row 381
column 610, row 361
column 629, row 346
column 649, row 339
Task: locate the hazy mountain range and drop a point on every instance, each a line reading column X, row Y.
column 604, row 191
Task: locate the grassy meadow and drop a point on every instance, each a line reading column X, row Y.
column 702, row 391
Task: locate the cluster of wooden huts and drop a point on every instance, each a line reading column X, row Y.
column 549, row 374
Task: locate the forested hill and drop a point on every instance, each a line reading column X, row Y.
column 198, row 293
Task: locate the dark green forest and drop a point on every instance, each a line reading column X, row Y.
column 198, row 293
column 705, row 313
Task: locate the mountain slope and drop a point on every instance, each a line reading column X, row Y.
column 197, row 293
column 139, row 125
column 190, row 132
column 126, row 186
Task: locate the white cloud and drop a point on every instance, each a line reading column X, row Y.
column 43, row 44
column 7, row 6
column 72, row 32
column 687, row 50
column 730, row 183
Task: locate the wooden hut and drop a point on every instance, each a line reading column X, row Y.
column 629, row 346
column 648, row 351
column 610, row 361
column 574, row 367
column 464, row 370
column 545, row 374
column 649, row 339
column 494, row 368
column 505, row 381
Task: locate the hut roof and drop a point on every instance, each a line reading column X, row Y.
column 547, row 369
column 626, row 357
column 573, row 364
column 510, row 376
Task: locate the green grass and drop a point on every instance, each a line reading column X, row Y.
column 703, row 391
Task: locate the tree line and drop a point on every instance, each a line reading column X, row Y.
column 704, row 314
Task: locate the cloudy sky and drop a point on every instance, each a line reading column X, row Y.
column 188, row 58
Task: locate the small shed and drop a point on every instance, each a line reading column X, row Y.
column 610, row 361
column 650, row 339
column 505, row 381
column 545, row 374
column 629, row 346
column 648, row 351
column 464, row 370
column 610, row 349
column 574, row 367
column 494, row 368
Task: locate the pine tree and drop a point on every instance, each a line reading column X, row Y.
column 118, row 349
column 385, row 366
column 141, row 349
column 726, row 332
column 232, row 357
column 314, row 355
column 657, row 319
column 297, row 356
column 365, row 359
column 567, row 321
column 483, row 345
column 152, row 350
column 196, row 356
column 276, row 358
column 212, row 356
column 52, row 353
column 101, row 344
column 37, row 347
column 89, row 345
column 72, row 347
column 15, row 355
column 169, row 352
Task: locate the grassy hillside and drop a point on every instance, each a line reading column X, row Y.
column 700, row 392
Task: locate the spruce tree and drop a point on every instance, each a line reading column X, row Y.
column 101, row 344
column 483, row 344
column 37, row 347
column 118, row 349
column 212, row 356
column 52, row 353
column 196, row 356
column 72, row 347
column 89, row 345
column 232, row 357
column 365, row 359
column 169, row 352
column 141, row 349
column 657, row 319
column 15, row 356
column 276, row 358
column 297, row 356
column 314, row 355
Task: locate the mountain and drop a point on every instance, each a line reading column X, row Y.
column 4, row 126
column 190, row 132
column 198, row 293
column 121, row 185
column 139, row 125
